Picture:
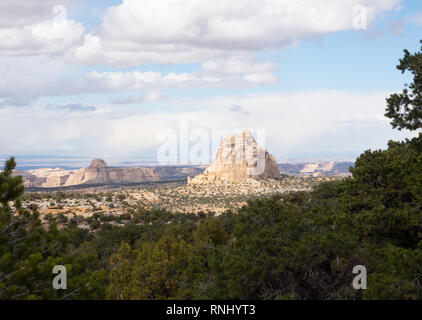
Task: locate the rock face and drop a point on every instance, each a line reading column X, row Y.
column 97, row 173
column 30, row 180
column 98, row 164
column 239, row 157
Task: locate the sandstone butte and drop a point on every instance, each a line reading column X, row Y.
column 239, row 158
column 97, row 173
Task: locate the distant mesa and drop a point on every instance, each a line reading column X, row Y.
column 317, row 169
column 96, row 173
column 238, row 158
column 99, row 173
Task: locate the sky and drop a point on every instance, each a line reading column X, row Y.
column 126, row 79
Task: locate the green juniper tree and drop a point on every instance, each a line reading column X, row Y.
column 11, row 189
column 29, row 252
column 405, row 109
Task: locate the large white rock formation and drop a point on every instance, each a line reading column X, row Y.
column 239, row 157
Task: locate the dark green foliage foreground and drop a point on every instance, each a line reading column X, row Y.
column 301, row 246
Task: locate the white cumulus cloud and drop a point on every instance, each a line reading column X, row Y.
column 174, row 31
column 293, row 124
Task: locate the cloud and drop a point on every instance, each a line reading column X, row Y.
column 224, row 36
column 35, row 28
column 182, row 31
column 237, row 65
column 235, row 71
column 19, row 13
column 49, row 37
column 24, row 79
column 37, row 47
column 150, row 97
column 397, row 27
column 134, row 81
column 235, row 108
column 294, row 124
column 17, row 85
column 239, row 109
column 416, row 18
column 71, row 108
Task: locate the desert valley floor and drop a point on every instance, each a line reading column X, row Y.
column 119, row 202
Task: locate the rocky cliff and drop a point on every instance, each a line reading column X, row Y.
column 239, row 157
